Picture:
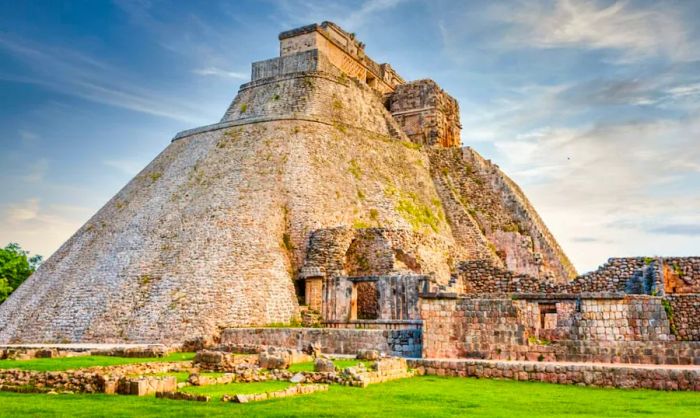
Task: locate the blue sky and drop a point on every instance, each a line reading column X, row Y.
column 593, row 107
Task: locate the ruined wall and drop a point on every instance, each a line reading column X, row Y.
column 405, row 343
column 681, row 274
column 633, row 275
column 427, row 114
column 396, row 297
column 575, row 330
column 685, row 310
column 458, row 328
column 510, row 233
column 482, row 277
column 347, row 251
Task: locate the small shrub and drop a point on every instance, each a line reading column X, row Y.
column 287, row 242
column 677, row 269
column 355, row 169
column 244, row 107
column 540, row 357
column 154, row 176
column 411, row 145
column 340, row 127
column 276, row 97
column 416, row 213
column 538, row 341
column 374, row 214
column 360, row 224
column 669, row 313
column 360, row 195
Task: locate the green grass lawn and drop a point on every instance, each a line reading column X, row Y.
column 309, row 365
column 428, row 396
column 217, row 391
column 72, row 363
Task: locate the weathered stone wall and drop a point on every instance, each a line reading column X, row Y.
column 396, row 297
column 490, row 214
column 570, row 374
column 302, row 62
column 343, row 51
column 685, row 310
column 347, row 251
column 427, row 114
column 405, row 343
column 328, row 98
column 576, row 329
column 483, row 277
column 458, row 328
column 632, row 275
column 681, row 274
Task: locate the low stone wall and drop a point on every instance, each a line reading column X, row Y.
column 685, row 312
column 401, row 342
column 29, row 351
column 635, row 352
column 147, row 385
column 571, row 374
column 90, row 380
column 183, row 396
column 291, row 391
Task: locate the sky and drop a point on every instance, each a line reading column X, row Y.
column 593, row 107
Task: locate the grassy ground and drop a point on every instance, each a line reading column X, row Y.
column 309, row 365
column 418, row 397
column 217, row 391
column 72, row 363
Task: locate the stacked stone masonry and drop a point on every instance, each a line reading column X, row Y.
column 570, row 374
column 634, row 275
column 490, row 214
column 427, row 114
column 402, row 342
column 629, row 329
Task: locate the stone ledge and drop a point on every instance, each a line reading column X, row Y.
column 636, row 376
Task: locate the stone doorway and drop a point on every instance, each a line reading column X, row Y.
column 367, row 300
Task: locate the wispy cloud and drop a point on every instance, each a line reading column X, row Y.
column 126, row 166
column 635, row 31
column 73, row 73
column 37, row 227
column 36, row 170
column 677, row 229
column 349, row 15
column 218, row 72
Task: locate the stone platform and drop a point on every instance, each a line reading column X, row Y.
column 649, row 376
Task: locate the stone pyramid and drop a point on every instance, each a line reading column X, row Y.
column 215, row 231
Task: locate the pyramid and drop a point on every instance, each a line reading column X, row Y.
column 216, row 230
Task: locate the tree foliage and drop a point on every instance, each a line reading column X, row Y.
column 15, row 267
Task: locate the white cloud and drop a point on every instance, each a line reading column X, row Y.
column 218, row 72
column 40, row 228
column 635, row 31
column 24, row 211
column 126, row 166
